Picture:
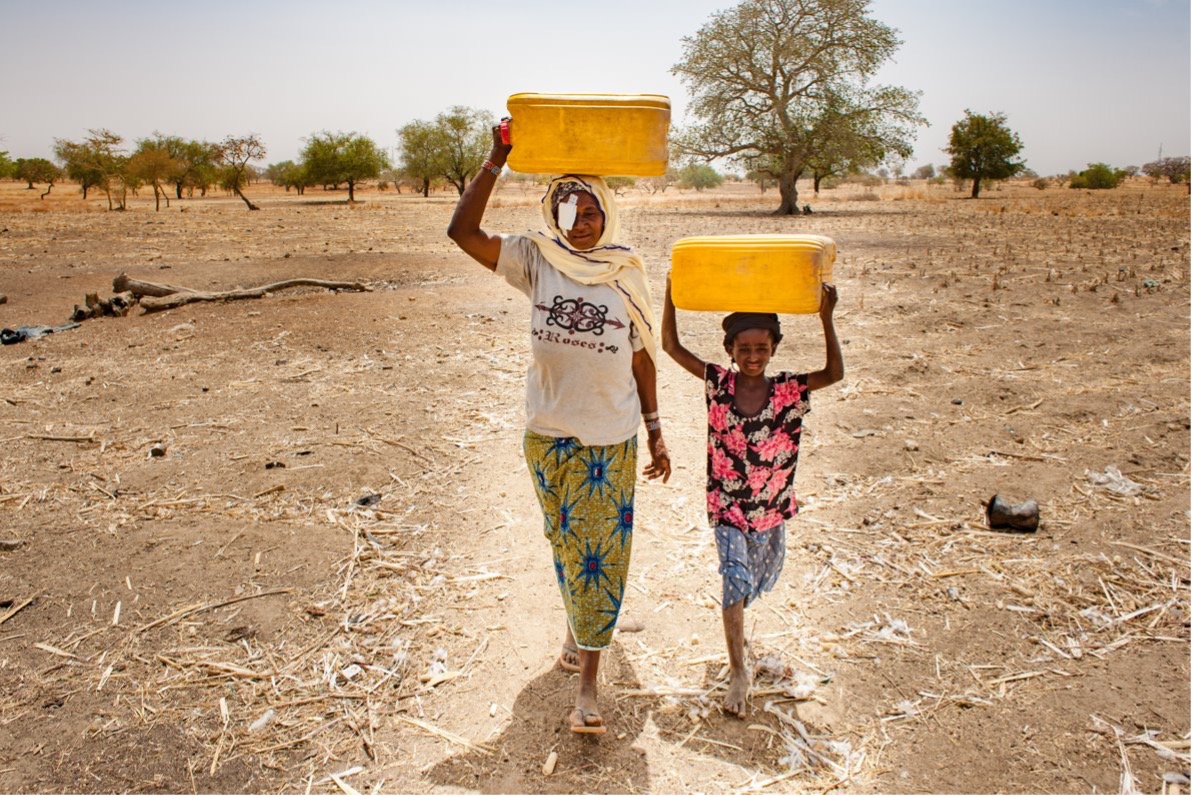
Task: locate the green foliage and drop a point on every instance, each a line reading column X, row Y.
column 783, row 86
column 35, row 170
column 699, row 176
column 95, row 162
column 334, row 158
column 620, row 184
column 7, row 167
column 466, row 137
column 451, row 147
column 423, row 153
column 289, row 175
column 1176, row 170
column 983, row 148
column 923, row 172
column 1098, row 176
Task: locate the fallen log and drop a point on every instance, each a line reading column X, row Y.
column 156, row 297
column 124, row 283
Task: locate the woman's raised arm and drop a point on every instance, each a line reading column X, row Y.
column 464, row 228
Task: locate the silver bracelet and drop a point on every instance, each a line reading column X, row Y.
column 653, row 425
column 649, row 415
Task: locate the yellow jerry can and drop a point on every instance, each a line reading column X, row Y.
column 599, row 134
column 751, row 273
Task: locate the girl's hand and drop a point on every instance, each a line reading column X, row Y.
column 828, row 302
column 659, row 459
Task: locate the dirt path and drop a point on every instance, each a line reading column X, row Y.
column 396, row 622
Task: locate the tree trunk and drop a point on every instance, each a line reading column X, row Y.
column 178, row 190
column 351, row 191
column 239, row 193
column 816, row 186
column 789, row 191
column 85, row 186
column 49, row 188
column 425, row 188
column 976, row 188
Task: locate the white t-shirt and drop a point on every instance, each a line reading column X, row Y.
column 580, row 381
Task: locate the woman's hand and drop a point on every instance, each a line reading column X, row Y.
column 659, row 459
column 501, row 150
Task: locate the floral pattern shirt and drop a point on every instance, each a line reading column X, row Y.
column 752, row 458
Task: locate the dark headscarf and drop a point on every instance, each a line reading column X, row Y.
column 738, row 322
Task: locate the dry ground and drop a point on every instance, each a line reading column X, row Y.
column 335, row 578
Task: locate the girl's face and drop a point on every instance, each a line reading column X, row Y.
column 589, row 223
column 751, row 350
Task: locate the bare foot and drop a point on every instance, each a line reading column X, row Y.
column 738, row 692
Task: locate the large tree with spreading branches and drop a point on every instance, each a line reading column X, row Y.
column 784, row 86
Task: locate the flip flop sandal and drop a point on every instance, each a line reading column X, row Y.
column 583, row 728
column 564, row 665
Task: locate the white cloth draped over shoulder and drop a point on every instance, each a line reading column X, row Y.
column 605, row 263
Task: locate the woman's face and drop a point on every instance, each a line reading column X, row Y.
column 589, row 222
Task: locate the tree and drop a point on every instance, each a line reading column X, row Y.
column 7, row 167
column 235, row 153
column 1098, row 176
column 153, row 163
column 923, row 172
column 33, row 170
column 332, row 158
column 699, row 176
column 289, row 174
column 1176, row 170
column 776, row 83
column 95, row 162
column 619, row 185
column 465, row 138
column 422, row 153
column 196, row 162
column 984, row 148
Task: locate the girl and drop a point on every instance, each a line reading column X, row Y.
column 754, row 423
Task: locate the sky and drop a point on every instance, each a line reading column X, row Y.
column 1080, row 81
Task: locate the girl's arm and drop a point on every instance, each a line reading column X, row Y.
column 834, row 368
column 646, row 376
column 464, row 228
column 670, row 339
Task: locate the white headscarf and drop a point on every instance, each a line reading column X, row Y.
column 605, row 263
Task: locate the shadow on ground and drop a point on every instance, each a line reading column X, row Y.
column 609, row 763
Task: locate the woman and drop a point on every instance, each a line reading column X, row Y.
column 592, row 372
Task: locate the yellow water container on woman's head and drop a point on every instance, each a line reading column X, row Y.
column 751, row 273
column 599, row 134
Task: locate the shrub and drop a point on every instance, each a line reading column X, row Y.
column 1098, row 176
column 699, row 176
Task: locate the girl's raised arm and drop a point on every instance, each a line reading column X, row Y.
column 464, row 228
column 670, row 339
column 834, row 368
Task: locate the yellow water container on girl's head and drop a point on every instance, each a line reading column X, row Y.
column 599, row 134
column 751, row 273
